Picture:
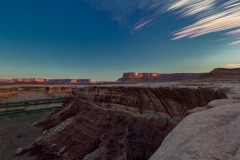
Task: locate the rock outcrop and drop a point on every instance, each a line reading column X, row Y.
column 211, row 134
column 220, row 72
column 116, row 122
column 132, row 77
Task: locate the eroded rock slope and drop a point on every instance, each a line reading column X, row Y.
column 105, row 123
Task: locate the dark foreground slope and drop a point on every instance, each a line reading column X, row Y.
column 93, row 133
column 116, row 122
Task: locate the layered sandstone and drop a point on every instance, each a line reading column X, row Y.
column 116, row 122
column 175, row 102
column 133, row 77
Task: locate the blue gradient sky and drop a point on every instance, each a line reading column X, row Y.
column 75, row 39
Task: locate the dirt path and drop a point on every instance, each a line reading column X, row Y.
column 18, row 132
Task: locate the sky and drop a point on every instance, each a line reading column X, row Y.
column 101, row 39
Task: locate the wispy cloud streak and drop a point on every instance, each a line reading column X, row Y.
column 191, row 7
column 217, row 17
column 209, row 15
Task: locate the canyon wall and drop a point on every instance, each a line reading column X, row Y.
column 175, row 102
column 116, row 122
column 133, row 77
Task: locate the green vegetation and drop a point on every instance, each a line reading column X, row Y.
column 19, row 109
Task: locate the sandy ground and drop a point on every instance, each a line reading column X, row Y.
column 18, row 132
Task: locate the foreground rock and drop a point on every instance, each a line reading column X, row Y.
column 212, row 104
column 19, row 151
column 116, row 122
column 207, row 135
column 85, row 132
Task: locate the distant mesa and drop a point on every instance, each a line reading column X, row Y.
column 69, row 81
column 28, row 80
column 47, row 81
column 219, row 72
column 133, row 77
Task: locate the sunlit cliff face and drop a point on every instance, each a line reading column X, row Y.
column 29, row 80
column 74, row 81
column 130, row 75
column 39, row 80
column 19, row 80
column 154, row 74
column 140, row 75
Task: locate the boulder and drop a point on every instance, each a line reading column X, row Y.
column 214, row 103
column 19, row 151
column 220, row 102
column 197, row 109
column 208, row 135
